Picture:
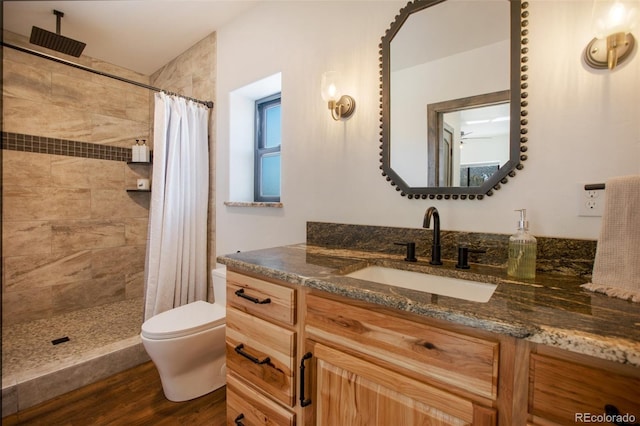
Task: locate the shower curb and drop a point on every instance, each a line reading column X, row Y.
column 33, row 387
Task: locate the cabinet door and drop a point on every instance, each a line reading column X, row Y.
column 348, row 391
column 566, row 392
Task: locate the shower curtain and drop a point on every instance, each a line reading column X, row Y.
column 176, row 257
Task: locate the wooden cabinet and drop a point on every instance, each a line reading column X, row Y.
column 371, row 368
column 303, row 357
column 261, row 340
column 571, row 391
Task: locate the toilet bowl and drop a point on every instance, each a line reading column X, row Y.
column 187, row 345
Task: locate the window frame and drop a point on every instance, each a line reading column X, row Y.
column 260, row 151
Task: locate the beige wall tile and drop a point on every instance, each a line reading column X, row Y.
column 25, row 168
column 116, row 203
column 42, row 203
column 70, row 172
column 138, row 104
column 117, row 261
column 45, row 119
column 73, row 236
column 135, row 231
column 26, row 238
column 134, row 285
column 25, row 81
column 26, row 305
column 73, row 92
column 109, row 130
column 38, row 271
column 106, row 174
column 85, row 294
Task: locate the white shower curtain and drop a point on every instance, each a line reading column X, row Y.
column 176, row 258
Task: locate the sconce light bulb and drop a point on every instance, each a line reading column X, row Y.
column 612, row 16
column 332, row 91
column 329, row 86
column 613, row 22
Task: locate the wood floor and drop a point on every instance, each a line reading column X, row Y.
column 133, row 397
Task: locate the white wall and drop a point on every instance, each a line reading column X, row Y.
column 584, row 125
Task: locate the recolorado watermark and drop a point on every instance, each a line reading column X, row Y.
column 616, row 418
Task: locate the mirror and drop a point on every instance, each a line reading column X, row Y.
column 453, row 79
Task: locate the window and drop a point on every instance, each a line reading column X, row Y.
column 267, row 149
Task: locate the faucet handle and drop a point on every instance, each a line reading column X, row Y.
column 411, row 251
column 463, row 256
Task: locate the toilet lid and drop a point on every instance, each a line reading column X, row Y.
column 184, row 320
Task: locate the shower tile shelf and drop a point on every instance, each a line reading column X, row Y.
column 143, row 163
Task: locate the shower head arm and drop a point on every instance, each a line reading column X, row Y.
column 59, row 16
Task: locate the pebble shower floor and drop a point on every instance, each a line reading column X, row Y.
column 28, row 352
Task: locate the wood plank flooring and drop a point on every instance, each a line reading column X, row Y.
column 133, row 397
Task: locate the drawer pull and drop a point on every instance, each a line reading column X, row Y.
column 238, row 420
column 240, row 349
column 614, row 413
column 303, row 402
column 240, row 293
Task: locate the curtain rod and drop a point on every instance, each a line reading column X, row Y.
column 208, row 104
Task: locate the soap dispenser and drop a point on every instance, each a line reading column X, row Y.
column 144, row 152
column 522, row 250
column 135, row 151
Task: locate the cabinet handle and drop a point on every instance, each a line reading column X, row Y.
column 612, row 410
column 304, row 402
column 238, row 420
column 240, row 349
column 240, row 293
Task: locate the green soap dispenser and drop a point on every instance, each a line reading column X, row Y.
column 522, row 250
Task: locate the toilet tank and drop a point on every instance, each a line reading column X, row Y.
column 219, row 279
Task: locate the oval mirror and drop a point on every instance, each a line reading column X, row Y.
column 453, row 80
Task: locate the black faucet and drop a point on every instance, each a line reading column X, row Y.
column 435, row 248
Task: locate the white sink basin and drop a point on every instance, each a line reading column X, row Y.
column 444, row 286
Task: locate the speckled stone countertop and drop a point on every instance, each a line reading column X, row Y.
column 552, row 309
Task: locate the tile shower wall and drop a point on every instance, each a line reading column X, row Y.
column 72, row 236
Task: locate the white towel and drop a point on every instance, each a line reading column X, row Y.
column 616, row 270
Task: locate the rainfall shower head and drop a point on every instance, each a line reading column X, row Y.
column 55, row 41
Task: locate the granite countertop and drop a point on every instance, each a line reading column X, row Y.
column 552, row 309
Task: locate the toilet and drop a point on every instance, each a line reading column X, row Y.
column 187, row 345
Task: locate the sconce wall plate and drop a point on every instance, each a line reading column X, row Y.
column 343, row 107
column 603, row 53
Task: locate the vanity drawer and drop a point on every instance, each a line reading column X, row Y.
column 467, row 362
column 262, row 298
column 559, row 390
column 262, row 353
column 252, row 408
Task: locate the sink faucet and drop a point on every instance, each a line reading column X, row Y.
column 435, row 248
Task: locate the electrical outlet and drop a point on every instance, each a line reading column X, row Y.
column 590, row 202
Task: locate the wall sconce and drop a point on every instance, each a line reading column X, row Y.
column 613, row 21
column 341, row 106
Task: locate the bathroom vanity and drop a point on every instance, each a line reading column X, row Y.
column 309, row 345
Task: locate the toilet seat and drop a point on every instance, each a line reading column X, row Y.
column 184, row 320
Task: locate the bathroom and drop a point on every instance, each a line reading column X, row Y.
column 330, row 169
